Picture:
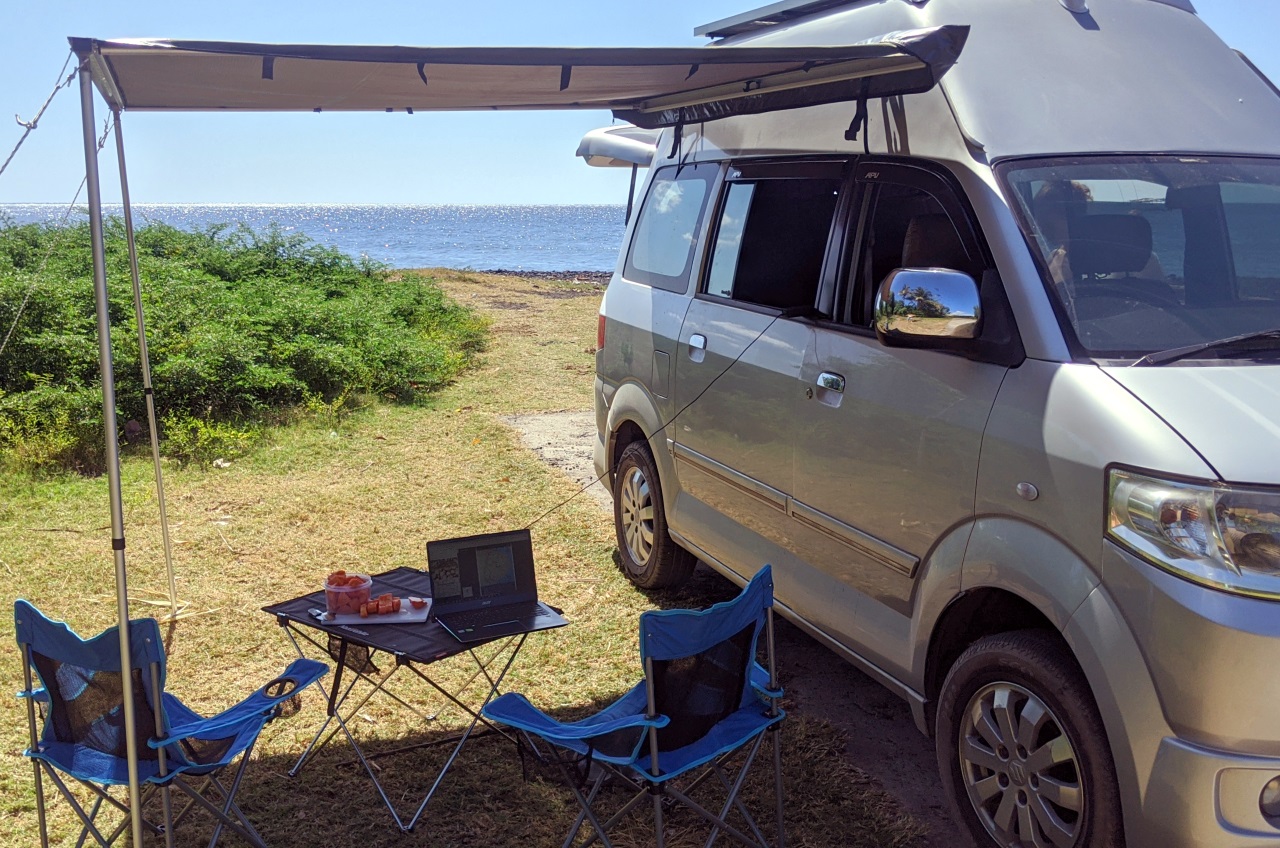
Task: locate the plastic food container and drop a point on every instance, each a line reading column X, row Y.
column 344, row 592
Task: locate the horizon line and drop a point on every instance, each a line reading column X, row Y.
column 62, row 205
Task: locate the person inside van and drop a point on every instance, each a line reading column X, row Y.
column 1055, row 205
column 1061, row 211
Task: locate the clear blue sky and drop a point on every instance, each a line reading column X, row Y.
column 370, row 158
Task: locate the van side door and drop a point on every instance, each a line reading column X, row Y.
column 739, row 357
column 887, row 443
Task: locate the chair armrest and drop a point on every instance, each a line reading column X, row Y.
column 256, row 708
column 760, row 682
column 515, row 711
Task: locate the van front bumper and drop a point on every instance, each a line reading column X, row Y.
column 1209, row 798
column 1210, row 742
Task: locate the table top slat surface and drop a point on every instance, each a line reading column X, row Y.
column 422, row 642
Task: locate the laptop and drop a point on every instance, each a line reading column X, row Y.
column 483, row 587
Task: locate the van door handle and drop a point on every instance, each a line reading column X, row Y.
column 831, row 382
column 697, row 347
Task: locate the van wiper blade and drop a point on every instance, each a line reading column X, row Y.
column 1262, row 340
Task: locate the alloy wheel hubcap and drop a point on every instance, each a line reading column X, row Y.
column 636, row 508
column 1020, row 769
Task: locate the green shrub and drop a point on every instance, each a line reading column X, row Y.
column 202, row 442
column 242, row 328
column 52, row 427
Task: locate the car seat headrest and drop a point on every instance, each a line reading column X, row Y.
column 1109, row 244
column 931, row 242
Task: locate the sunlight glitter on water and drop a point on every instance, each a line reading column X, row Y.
column 525, row 238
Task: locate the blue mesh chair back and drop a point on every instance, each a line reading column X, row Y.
column 84, row 691
column 700, row 661
column 704, row 704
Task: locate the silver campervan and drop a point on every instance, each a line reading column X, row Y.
column 990, row 373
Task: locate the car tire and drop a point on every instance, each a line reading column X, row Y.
column 1021, row 747
column 650, row 558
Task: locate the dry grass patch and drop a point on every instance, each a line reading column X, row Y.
column 366, row 493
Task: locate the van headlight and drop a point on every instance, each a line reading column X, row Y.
column 1227, row 537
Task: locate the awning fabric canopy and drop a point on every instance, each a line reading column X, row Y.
column 648, row 86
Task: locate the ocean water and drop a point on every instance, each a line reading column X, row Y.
column 512, row 238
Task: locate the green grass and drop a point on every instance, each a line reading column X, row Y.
column 365, row 492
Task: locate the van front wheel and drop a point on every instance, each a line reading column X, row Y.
column 1022, row 750
column 650, row 558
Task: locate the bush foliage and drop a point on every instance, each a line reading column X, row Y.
column 242, row 329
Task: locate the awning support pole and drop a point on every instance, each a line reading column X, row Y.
column 110, row 431
column 146, row 363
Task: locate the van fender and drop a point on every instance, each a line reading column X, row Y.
column 940, row 582
column 1113, row 663
column 991, row 552
column 1028, row 561
column 633, row 403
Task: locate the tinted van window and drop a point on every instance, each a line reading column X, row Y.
column 906, row 227
column 667, row 230
column 771, row 239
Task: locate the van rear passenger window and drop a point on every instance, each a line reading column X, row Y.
column 771, row 240
column 667, row 229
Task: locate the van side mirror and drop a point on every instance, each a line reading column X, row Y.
column 917, row 307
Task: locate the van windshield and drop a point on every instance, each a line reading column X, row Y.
column 1146, row 254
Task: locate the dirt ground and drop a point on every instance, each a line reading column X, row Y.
column 883, row 740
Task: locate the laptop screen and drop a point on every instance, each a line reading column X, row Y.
column 479, row 571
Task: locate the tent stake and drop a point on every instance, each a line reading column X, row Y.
column 112, row 445
column 146, row 363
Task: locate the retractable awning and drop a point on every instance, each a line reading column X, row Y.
column 648, row 86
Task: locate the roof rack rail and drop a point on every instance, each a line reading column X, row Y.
column 767, row 16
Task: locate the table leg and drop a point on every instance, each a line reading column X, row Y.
column 476, row 717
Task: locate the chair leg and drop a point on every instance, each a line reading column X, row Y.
column 711, row 819
column 776, row 730
column 659, row 833
column 623, row 811
column 44, row 826
column 93, row 816
column 223, row 819
column 587, row 813
column 166, row 798
column 86, row 819
column 233, row 808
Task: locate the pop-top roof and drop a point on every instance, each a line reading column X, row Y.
column 648, row 86
column 766, row 16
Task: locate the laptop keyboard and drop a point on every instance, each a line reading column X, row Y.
column 493, row 615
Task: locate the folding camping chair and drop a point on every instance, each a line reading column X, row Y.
column 81, row 699
column 704, row 699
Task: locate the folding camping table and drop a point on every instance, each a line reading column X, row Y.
column 414, row 647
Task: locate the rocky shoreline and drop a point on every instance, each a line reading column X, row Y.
column 599, row 278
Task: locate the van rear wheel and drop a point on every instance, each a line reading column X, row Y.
column 650, row 558
column 1022, row 749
